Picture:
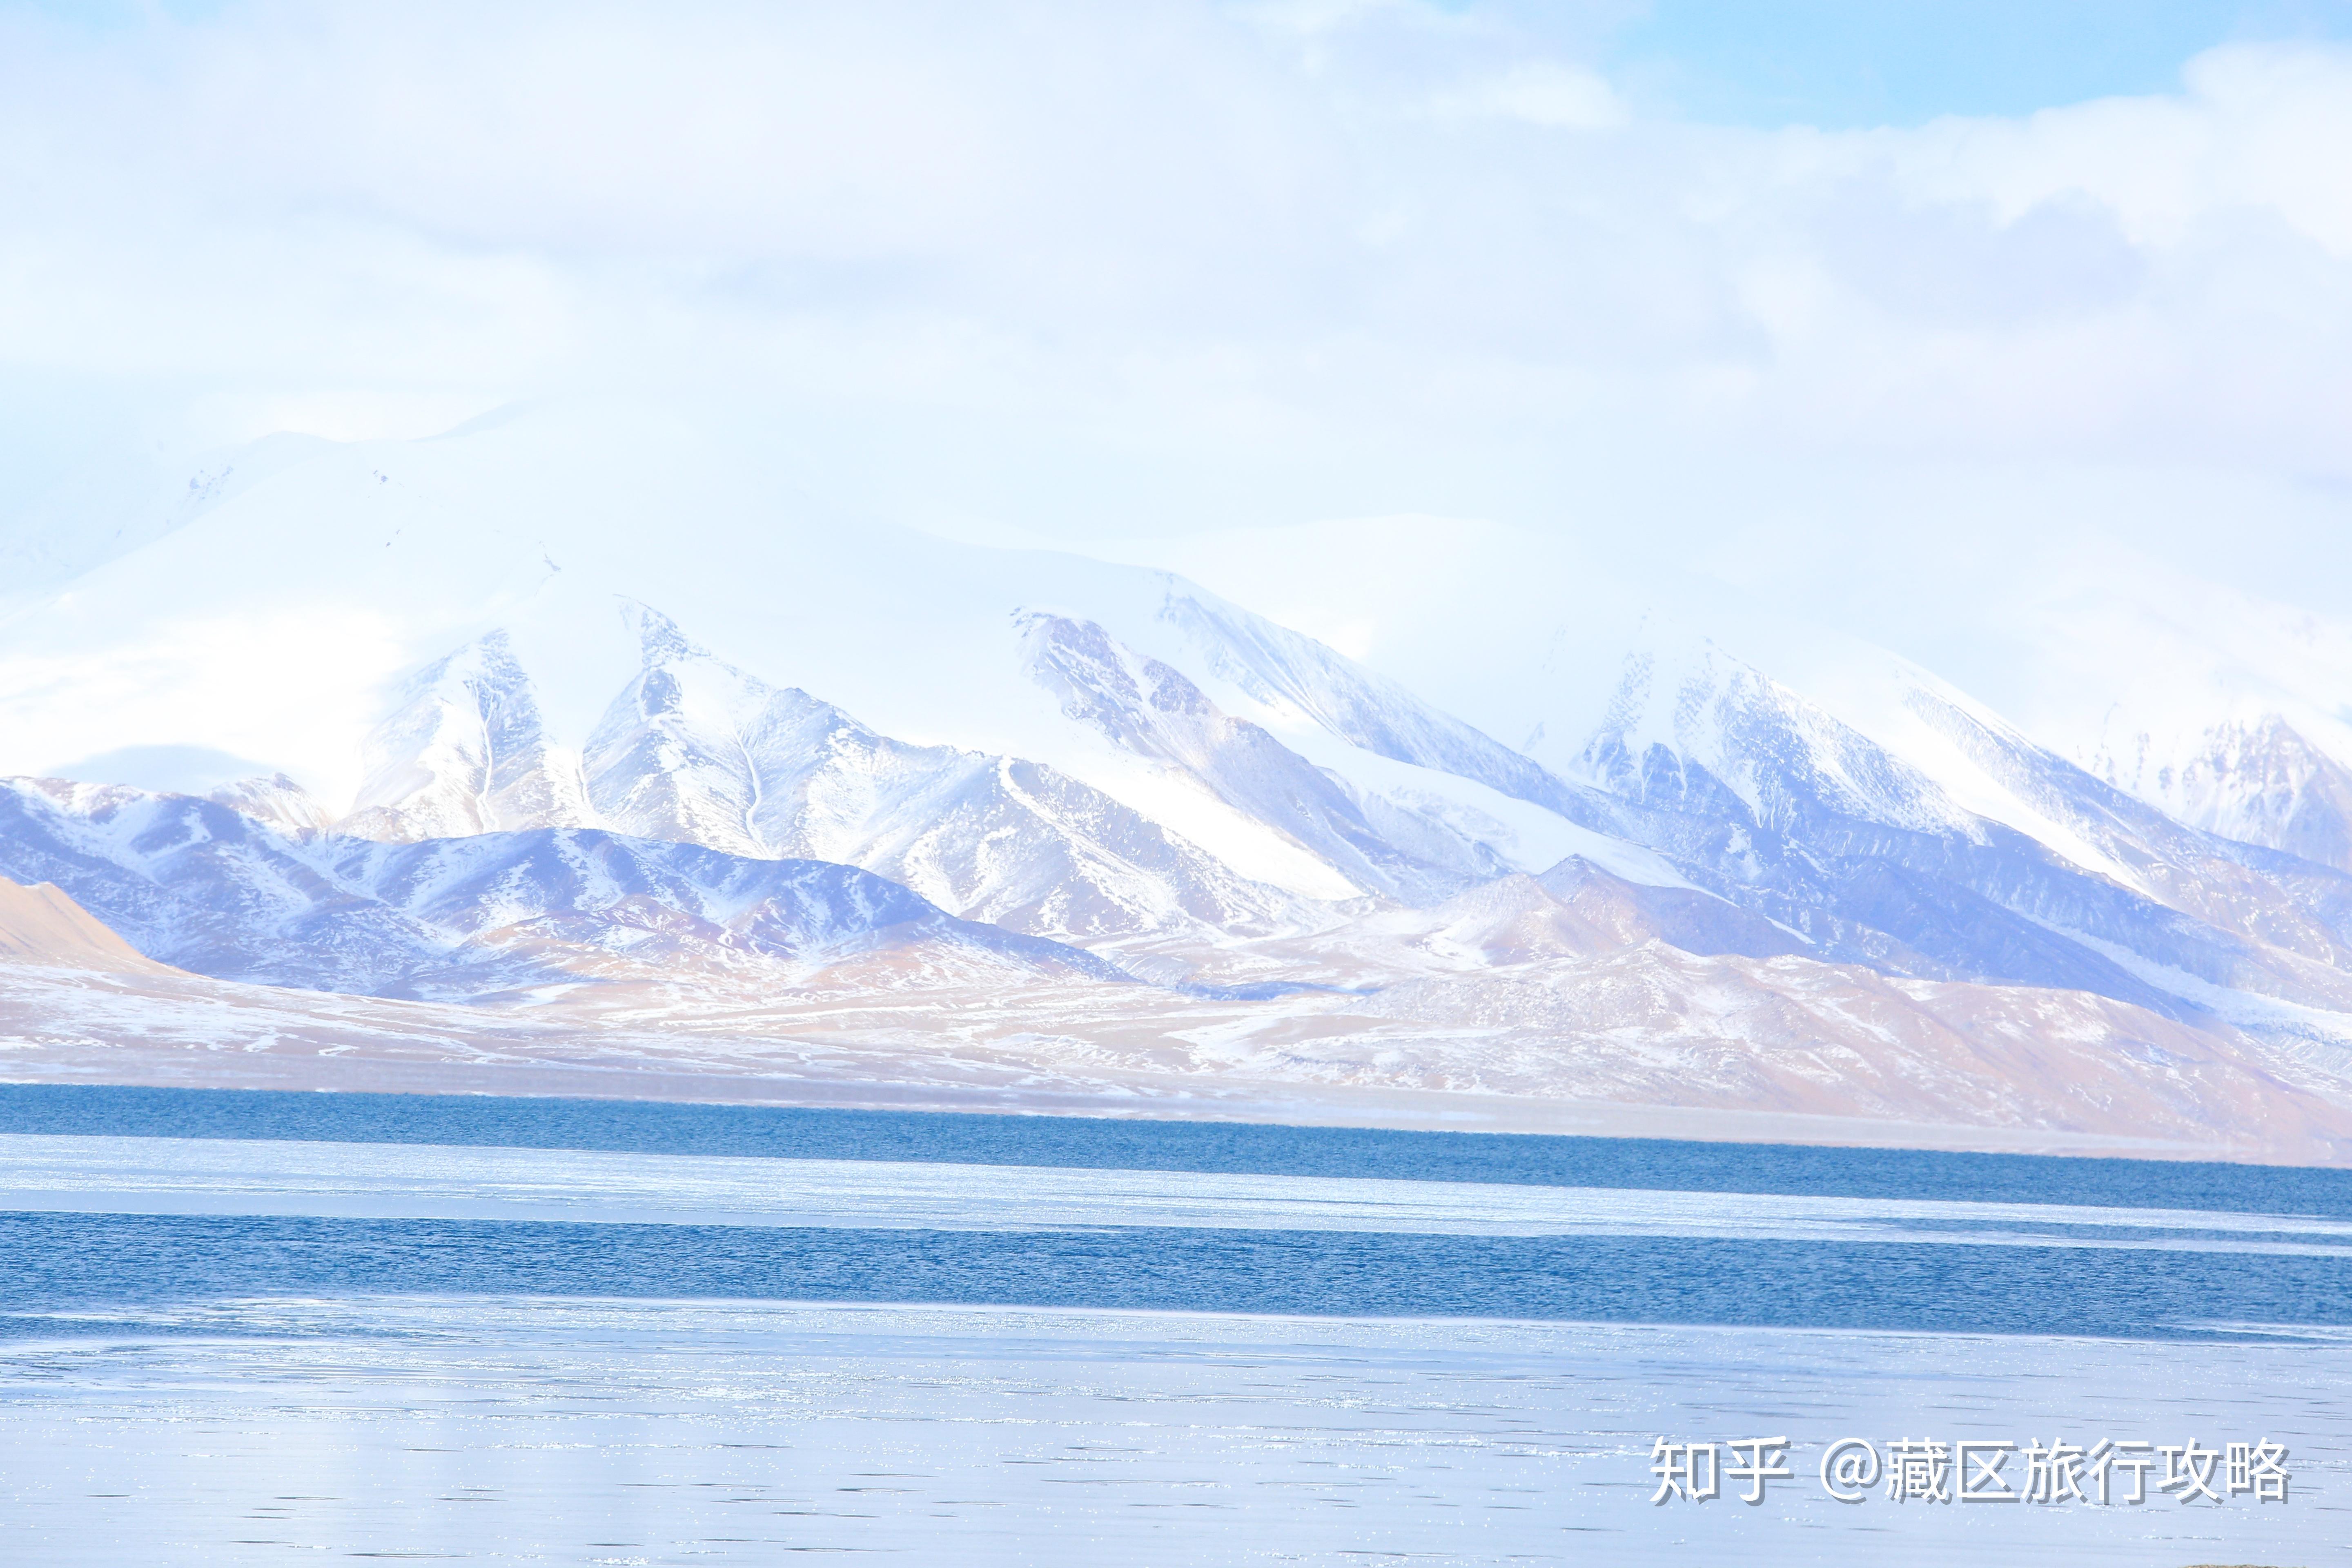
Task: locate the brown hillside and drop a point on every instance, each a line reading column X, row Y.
column 40, row 925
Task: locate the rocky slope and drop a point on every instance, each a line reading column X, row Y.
column 495, row 916
column 591, row 717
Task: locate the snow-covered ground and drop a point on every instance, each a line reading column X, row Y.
column 497, row 1431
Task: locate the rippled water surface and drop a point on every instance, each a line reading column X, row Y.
column 255, row 1332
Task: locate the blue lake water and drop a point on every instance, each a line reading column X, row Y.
column 663, row 1127
column 247, row 1327
column 50, row 1262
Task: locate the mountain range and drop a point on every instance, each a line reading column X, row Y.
column 582, row 727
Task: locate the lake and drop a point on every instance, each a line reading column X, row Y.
column 252, row 1327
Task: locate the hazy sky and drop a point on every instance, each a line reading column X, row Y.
column 1819, row 298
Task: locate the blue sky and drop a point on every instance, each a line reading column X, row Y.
column 1849, row 63
column 1837, row 64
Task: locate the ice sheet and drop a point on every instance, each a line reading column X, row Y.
column 495, row 1431
column 170, row 1176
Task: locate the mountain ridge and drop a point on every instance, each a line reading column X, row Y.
column 614, row 721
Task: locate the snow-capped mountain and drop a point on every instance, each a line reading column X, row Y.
column 106, row 512
column 557, row 706
column 2224, row 712
column 444, row 651
column 698, row 752
column 2046, row 876
column 1152, row 712
column 464, row 750
column 197, row 885
column 2256, row 779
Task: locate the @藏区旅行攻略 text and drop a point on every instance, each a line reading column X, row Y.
column 2105, row 1473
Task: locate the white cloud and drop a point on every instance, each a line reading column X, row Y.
column 2259, row 128
column 1094, row 271
column 1543, row 92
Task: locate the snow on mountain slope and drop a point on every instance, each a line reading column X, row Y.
column 1987, row 764
column 276, row 802
column 465, row 751
column 1782, row 757
column 1981, row 764
column 432, row 627
column 1773, row 800
column 566, row 625
column 2227, row 711
column 1767, row 800
column 1284, row 671
column 1152, row 711
column 323, row 587
column 680, row 907
column 758, row 977
column 664, row 957
column 101, row 513
column 194, row 884
column 698, row 751
column 2255, row 778
column 1373, row 731
column 2278, row 898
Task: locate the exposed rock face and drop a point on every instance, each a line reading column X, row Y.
column 198, row 886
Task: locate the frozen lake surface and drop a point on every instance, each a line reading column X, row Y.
column 406, row 1180
column 335, row 1327
column 531, row 1431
